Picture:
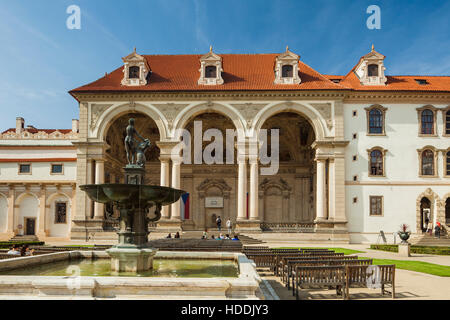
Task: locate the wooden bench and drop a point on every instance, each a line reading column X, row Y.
column 320, row 277
column 289, row 275
column 361, row 276
column 272, row 260
column 282, row 261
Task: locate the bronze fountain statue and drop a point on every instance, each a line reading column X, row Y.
column 134, row 200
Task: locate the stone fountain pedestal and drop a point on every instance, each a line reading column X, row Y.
column 131, row 259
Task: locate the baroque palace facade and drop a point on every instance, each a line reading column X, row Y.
column 358, row 154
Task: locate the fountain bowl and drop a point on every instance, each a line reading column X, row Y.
column 125, row 193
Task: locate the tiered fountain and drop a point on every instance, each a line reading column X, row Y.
column 134, row 200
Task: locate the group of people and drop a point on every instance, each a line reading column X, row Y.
column 437, row 229
column 219, row 224
column 20, row 251
column 220, row 237
column 176, row 236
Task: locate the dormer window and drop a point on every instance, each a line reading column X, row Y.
column 286, row 68
column 210, row 69
column 210, row 72
column 135, row 70
column 287, row 71
column 372, row 70
column 421, row 81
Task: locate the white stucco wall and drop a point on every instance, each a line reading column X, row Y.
column 28, row 208
column 401, row 185
column 40, row 171
column 57, row 229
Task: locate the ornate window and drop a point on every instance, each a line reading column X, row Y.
column 133, row 72
column 376, row 205
column 376, row 115
column 286, row 68
column 428, row 162
column 372, row 70
column 376, row 162
column 287, row 71
column 210, row 69
column 60, row 212
column 427, row 121
column 446, row 116
column 210, row 72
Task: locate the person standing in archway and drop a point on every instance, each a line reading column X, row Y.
column 219, row 222
column 430, row 228
column 229, row 226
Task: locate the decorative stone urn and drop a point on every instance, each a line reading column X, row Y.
column 404, row 236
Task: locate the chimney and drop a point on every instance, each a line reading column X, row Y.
column 20, row 124
column 75, row 125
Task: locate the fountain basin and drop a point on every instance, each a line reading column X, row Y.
column 127, row 193
column 244, row 286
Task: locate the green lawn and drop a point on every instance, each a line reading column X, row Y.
column 337, row 250
column 419, row 266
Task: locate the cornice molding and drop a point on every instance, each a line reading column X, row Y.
column 346, row 96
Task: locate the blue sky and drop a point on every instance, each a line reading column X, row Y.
column 42, row 59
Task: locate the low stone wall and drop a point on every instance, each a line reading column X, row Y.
column 245, row 286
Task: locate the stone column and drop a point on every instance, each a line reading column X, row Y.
column 331, row 190
column 11, row 205
column 254, row 194
column 320, row 191
column 99, row 208
column 242, row 190
column 89, row 180
column 165, row 182
column 42, row 208
column 176, row 183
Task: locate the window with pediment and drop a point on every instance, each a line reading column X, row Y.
column 286, row 68
column 376, row 115
column 210, row 69
column 135, row 70
column 376, row 162
column 427, row 120
column 428, row 161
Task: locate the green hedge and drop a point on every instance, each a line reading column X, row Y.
column 8, row 244
column 445, row 251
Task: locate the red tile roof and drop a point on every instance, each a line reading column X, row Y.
column 240, row 72
column 34, row 130
column 245, row 72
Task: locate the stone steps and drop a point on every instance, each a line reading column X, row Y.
column 24, row 238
